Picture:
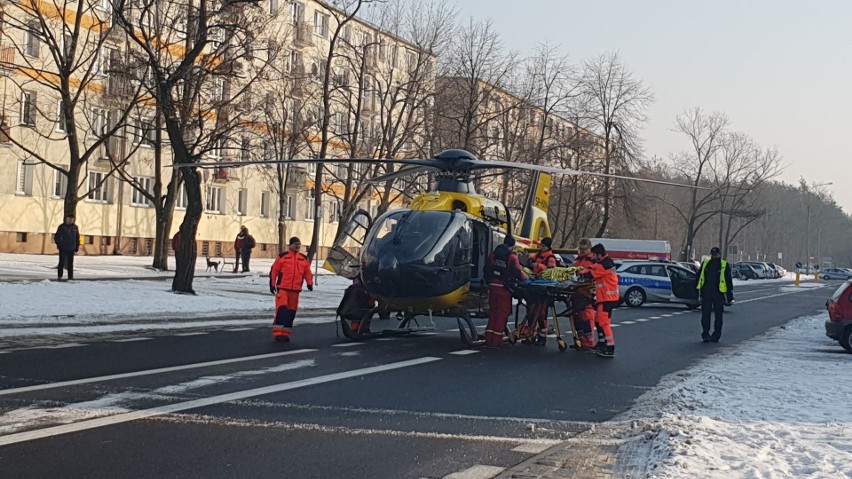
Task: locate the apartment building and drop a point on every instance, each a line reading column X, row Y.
column 283, row 111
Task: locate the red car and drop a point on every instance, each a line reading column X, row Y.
column 839, row 324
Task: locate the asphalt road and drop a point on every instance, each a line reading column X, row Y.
column 405, row 407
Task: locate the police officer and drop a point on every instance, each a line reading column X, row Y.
column 502, row 272
column 716, row 287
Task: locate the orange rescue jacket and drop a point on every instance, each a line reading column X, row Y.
column 606, row 280
column 290, row 270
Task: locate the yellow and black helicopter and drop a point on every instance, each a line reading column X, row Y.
column 429, row 258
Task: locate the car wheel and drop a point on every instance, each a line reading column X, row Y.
column 826, row 277
column 846, row 339
column 692, row 306
column 634, row 297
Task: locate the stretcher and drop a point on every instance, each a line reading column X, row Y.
column 551, row 293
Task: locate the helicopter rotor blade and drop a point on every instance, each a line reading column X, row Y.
column 298, row 161
column 572, row 172
column 414, row 170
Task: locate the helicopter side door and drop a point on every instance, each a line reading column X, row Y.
column 480, row 251
column 340, row 260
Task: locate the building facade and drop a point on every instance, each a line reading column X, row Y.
column 283, row 109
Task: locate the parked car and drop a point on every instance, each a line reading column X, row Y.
column 839, row 323
column 655, row 282
column 762, row 269
column 781, row 272
column 745, row 271
column 834, row 273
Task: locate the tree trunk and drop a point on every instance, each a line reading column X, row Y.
column 71, row 198
column 187, row 252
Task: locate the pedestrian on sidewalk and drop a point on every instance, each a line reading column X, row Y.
column 243, row 246
column 716, row 287
column 289, row 272
column 67, row 239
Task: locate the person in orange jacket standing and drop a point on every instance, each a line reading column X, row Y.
column 289, row 272
column 606, row 296
column 584, row 303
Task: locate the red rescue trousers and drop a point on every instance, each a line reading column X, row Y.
column 603, row 318
column 286, row 305
column 499, row 309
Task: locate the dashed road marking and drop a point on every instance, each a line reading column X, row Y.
column 191, row 334
column 667, row 315
column 627, row 322
column 387, row 339
column 148, row 372
column 614, row 325
column 656, row 317
column 643, row 320
column 128, row 340
column 465, row 352
column 66, row 345
column 346, row 345
column 240, row 329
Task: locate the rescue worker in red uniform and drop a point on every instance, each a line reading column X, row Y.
column 584, row 302
column 502, row 272
column 289, row 272
column 537, row 309
column 606, row 296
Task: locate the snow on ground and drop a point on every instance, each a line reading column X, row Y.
column 776, row 407
column 112, row 300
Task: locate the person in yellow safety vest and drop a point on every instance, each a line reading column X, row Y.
column 716, row 287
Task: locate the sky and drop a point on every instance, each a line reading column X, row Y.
column 780, row 70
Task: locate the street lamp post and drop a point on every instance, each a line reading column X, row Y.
column 808, row 232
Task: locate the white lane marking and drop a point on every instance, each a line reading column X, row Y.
column 643, row 320
column 465, row 352
column 190, row 334
column 476, row 472
column 198, row 403
column 346, row 345
column 667, row 315
column 387, row 339
column 58, row 346
column 627, row 322
column 656, row 317
column 532, row 448
column 614, row 325
column 772, row 296
column 240, row 329
column 128, row 340
column 148, row 372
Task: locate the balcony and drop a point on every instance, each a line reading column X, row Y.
column 303, row 35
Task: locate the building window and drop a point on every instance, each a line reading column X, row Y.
column 28, row 108
column 182, row 201
column 32, row 43
column 242, row 202
column 217, row 153
column 24, row 179
column 334, row 212
column 320, row 24
column 309, row 205
column 134, row 245
column 146, row 134
column 98, row 186
column 149, row 246
column 217, row 249
column 205, row 248
column 264, row 204
column 21, row 237
column 214, row 200
column 137, row 197
column 99, row 123
column 273, row 7
column 60, row 184
column 245, row 150
column 296, row 13
column 290, row 206
column 61, row 124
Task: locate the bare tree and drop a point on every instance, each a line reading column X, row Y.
column 614, row 104
column 201, row 66
column 65, row 48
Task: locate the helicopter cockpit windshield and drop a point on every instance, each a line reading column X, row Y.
column 407, row 250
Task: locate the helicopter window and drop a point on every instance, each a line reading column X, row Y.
column 463, row 250
column 387, row 227
column 420, row 237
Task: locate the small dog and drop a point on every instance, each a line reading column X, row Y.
column 212, row 264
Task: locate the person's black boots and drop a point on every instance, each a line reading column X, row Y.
column 607, row 352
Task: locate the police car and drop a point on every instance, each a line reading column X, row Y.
column 641, row 282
